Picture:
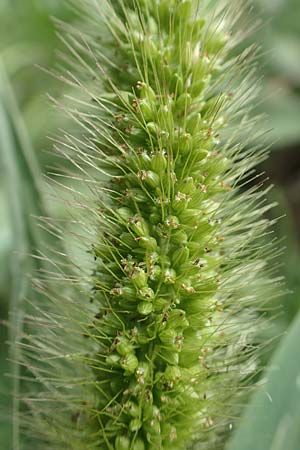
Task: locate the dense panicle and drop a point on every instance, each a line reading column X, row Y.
column 155, row 346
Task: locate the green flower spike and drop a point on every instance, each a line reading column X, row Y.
column 154, row 349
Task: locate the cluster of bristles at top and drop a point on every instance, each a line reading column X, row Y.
column 161, row 253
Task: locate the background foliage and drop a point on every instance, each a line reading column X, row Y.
column 28, row 40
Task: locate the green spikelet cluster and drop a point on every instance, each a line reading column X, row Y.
column 152, row 352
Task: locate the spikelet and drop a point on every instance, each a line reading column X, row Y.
column 148, row 343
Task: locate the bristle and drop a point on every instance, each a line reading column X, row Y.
column 149, row 342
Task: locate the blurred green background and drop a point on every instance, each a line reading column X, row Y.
column 27, row 118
